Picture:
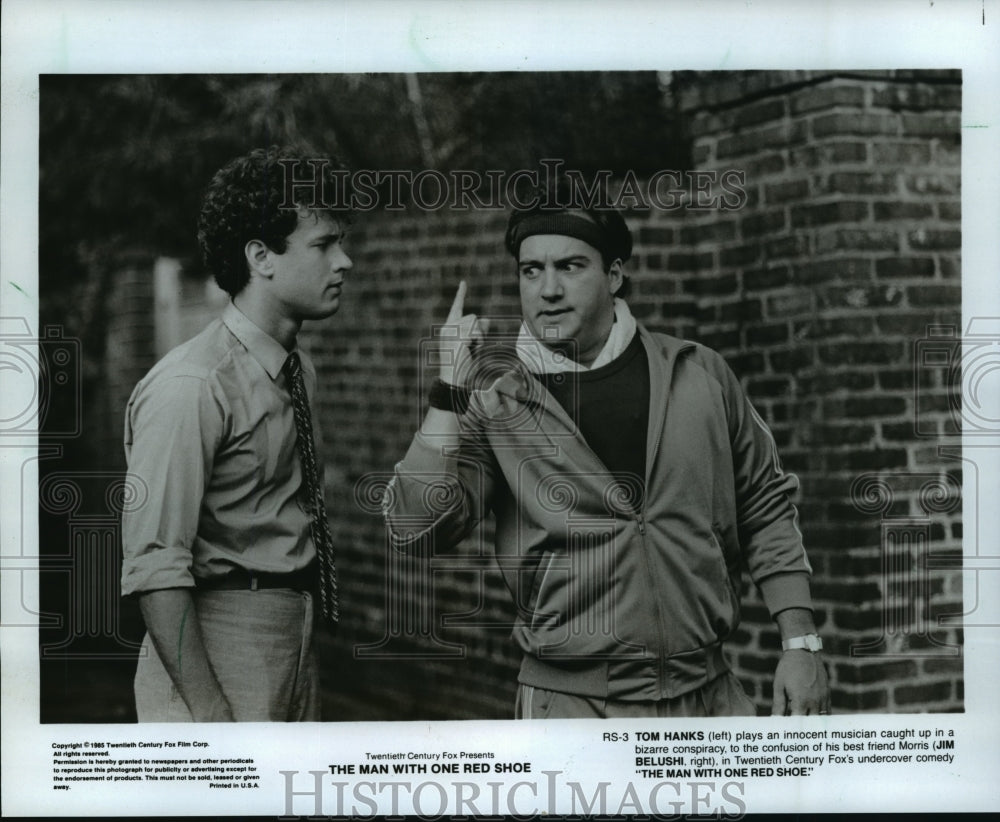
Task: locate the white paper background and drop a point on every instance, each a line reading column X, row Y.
column 113, row 37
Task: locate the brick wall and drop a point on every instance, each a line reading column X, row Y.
column 822, row 289
column 393, row 657
column 817, row 290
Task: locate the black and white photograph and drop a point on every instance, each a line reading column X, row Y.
column 403, row 402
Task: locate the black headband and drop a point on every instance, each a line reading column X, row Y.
column 567, row 224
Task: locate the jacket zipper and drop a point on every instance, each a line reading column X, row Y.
column 640, row 521
column 642, row 528
column 661, row 651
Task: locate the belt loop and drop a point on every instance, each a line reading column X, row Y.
column 253, row 581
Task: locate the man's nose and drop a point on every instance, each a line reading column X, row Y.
column 551, row 286
column 341, row 262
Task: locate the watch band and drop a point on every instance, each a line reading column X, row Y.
column 447, row 397
column 806, row 642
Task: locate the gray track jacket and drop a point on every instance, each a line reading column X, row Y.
column 614, row 600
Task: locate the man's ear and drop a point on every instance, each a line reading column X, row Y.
column 259, row 258
column 615, row 276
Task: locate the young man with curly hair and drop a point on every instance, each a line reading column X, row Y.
column 225, row 553
column 631, row 480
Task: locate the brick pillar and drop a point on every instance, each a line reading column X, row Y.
column 819, row 291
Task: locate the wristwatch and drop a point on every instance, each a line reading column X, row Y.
column 447, row 397
column 806, row 642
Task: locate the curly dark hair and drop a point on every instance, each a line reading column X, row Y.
column 617, row 243
column 246, row 201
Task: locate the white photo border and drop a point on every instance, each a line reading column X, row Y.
column 105, row 36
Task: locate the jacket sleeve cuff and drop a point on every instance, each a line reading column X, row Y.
column 786, row 590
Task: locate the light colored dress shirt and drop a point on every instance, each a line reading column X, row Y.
column 210, row 435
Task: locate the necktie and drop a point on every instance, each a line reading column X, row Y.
column 314, row 490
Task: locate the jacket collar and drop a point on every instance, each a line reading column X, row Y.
column 661, row 350
column 670, row 346
column 518, row 386
column 661, row 374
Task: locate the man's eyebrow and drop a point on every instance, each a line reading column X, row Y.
column 562, row 260
column 326, row 236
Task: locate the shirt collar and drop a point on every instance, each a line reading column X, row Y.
column 262, row 346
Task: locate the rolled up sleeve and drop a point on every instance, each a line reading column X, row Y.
column 172, row 428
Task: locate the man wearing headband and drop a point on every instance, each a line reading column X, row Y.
column 631, row 481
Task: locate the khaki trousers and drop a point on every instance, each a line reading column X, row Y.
column 260, row 646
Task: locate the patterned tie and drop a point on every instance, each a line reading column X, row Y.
column 314, row 490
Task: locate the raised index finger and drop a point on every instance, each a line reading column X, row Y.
column 457, row 305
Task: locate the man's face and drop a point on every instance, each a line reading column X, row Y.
column 309, row 275
column 566, row 295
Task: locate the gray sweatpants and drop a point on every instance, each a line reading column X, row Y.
column 723, row 696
